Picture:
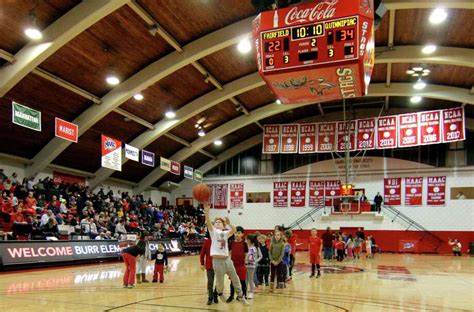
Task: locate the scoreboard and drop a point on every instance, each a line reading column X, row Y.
column 318, row 51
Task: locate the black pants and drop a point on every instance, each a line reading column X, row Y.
column 340, row 254
column 292, row 264
column 276, row 271
column 457, row 253
column 378, row 206
column 263, row 271
column 243, row 284
column 210, row 284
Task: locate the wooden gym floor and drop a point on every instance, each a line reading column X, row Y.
column 387, row 283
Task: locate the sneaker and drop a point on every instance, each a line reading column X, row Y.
column 154, row 281
column 131, row 286
column 215, row 298
column 250, row 295
column 243, row 301
column 125, row 286
column 266, row 284
column 230, row 299
column 319, row 275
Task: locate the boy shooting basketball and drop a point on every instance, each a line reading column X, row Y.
column 220, row 254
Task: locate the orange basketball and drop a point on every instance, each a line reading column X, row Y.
column 201, row 192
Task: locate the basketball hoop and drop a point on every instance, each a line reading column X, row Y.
column 345, row 208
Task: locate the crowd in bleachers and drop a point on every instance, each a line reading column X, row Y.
column 39, row 209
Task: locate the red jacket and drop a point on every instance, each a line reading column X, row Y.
column 206, row 252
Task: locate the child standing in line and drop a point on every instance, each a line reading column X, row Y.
column 340, row 249
column 292, row 237
column 206, row 263
column 286, row 261
column 315, row 249
column 277, row 250
column 161, row 263
column 368, row 247
column 357, row 246
column 251, row 261
column 349, row 246
column 263, row 269
column 238, row 251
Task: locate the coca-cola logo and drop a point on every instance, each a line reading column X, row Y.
column 321, row 10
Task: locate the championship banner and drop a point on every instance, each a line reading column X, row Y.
column 165, row 164
column 175, row 168
column 148, row 158
column 343, row 130
column 289, row 138
column 111, row 153
column 365, row 134
column 436, row 191
column 237, row 195
column 220, row 196
column 387, row 132
column 392, row 191
column 280, row 194
column 316, row 193
column 408, row 130
column 132, row 153
column 188, row 172
column 413, row 191
column 331, row 188
column 298, row 194
column 271, row 139
column 26, row 117
column 59, row 177
column 326, row 137
column 454, row 128
column 430, row 127
column 198, row 176
column 307, row 141
column 65, row 130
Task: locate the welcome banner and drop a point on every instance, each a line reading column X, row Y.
column 316, row 193
column 436, row 191
column 298, row 194
column 413, row 191
column 392, row 194
column 280, row 194
column 236, row 195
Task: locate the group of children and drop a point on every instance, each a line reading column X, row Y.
column 351, row 247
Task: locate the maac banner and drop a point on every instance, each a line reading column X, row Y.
column 289, row 138
column 237, row 195
column 220, row 196
column 271, row 139
column 198, row 176
column 111, row 153
column 26, row 117
column 148, row 158
column 165, row 164
column 346, row 133
column 413, row 191
column 307, row 138
column 387, row 132
column 331, row 188
column 298, row 194
column 327, row 137
column 392, row 194
column 453, row 125
column 280, row 194
column 430, row 127
column 408, row 130
column 436, row 191
column 175, row 168
column 188, row 172
column 366, row 134
column 316, row 193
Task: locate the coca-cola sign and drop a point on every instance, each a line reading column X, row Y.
column 320, row 11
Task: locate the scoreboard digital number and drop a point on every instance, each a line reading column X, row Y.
column 306, row 45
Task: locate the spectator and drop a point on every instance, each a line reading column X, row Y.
column 378, row 200
column 460, row 195
column 120, row 228
column 327, row 238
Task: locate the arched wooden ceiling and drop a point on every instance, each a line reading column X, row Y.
column 181, row 55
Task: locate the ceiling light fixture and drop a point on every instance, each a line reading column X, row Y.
column 420, row 84
column 244, row 46
column 33, row 33
column 170, row 114
column 218, row 142
column 438, row 16
column 428, row 49
column 112, row 80
column 138, row 96
column 278, row 102
column 201, row 133
column 416, row 99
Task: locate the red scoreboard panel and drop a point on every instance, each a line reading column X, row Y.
column 318, row 51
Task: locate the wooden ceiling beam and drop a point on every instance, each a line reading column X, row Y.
column 135, row 118
column 206, row 153
column 177, row 139
column 7, row 56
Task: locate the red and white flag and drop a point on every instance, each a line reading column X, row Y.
column 436, row 191
column 387, row 132
column 280, row 194
column 298, row 194
column 326, row 137
column 408, row 130
column 65, row 130
column 454, row 128
column 331, row 188
column 307, row 138
column 392, row 193
column 220, row 196
column 289, row 138
column 111, row 153
column 271, row 139
column 236, row 195
column 430, row 127
column 346, row 134
column 366, row 134
column 413, row 191
column 316, row 193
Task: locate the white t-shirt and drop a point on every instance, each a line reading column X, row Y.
column 219, row 244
